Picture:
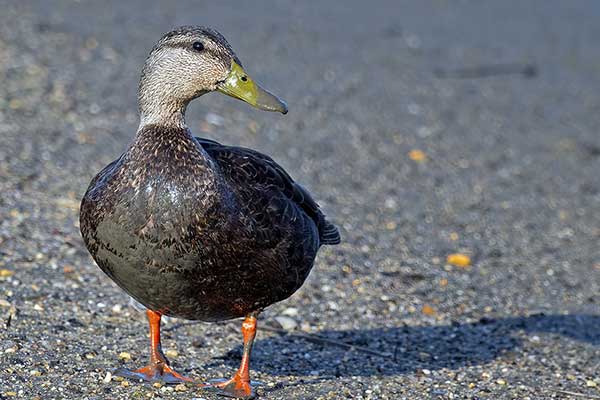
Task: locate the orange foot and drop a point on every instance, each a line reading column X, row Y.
column 234, row 387
column 154, row 373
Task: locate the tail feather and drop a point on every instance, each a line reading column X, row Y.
column 329, row 233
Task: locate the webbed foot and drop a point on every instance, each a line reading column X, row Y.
column 153, row 373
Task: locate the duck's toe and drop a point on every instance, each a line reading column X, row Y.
column 235, row 388
column 154, row 373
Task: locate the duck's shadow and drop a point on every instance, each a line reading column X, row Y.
column 409, row 348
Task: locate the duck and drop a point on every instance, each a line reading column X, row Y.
column 194, row 229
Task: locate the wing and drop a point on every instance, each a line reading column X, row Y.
column 253, row 169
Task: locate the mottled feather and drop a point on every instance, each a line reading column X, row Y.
column 250, row 167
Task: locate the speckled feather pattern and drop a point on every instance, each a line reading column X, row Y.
column 198, row 232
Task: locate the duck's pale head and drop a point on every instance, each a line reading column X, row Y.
column 189, row 62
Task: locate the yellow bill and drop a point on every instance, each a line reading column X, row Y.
column 239, row 85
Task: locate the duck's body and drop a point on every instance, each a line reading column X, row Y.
column 198, row 230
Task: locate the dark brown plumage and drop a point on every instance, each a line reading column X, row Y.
column 189, row 227
column 198, row 230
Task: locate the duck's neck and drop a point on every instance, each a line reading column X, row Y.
column 162, row 100
column 159, row 109
column 162, row 117
column 162, row 107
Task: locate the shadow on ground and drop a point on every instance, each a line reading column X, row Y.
column 409, row 348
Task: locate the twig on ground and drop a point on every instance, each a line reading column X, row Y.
column 485, row 71
column 311, row 337
column 587, row 396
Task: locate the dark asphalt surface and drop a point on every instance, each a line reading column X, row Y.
column 509, row 175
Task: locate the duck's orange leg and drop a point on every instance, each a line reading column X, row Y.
column 239, row 386
column 158, row 369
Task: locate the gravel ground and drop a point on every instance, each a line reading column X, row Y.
column 424, row 128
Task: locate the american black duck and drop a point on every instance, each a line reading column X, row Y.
column 192, row 228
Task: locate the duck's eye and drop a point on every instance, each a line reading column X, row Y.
column 198, row 46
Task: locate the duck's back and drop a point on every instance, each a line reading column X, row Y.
column 199, row 230
column 255, row 176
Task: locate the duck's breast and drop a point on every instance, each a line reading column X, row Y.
column 149, row 223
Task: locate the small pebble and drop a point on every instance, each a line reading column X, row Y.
column 428, row 310
column 459, row 260
column 5, row 273
column 286, row 323
column 290, row 312
column 172, row 353
column 417, row 155
column 125, row 356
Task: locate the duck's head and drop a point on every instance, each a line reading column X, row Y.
column 191, row 61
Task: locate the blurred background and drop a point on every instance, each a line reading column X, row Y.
column 455, row 143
